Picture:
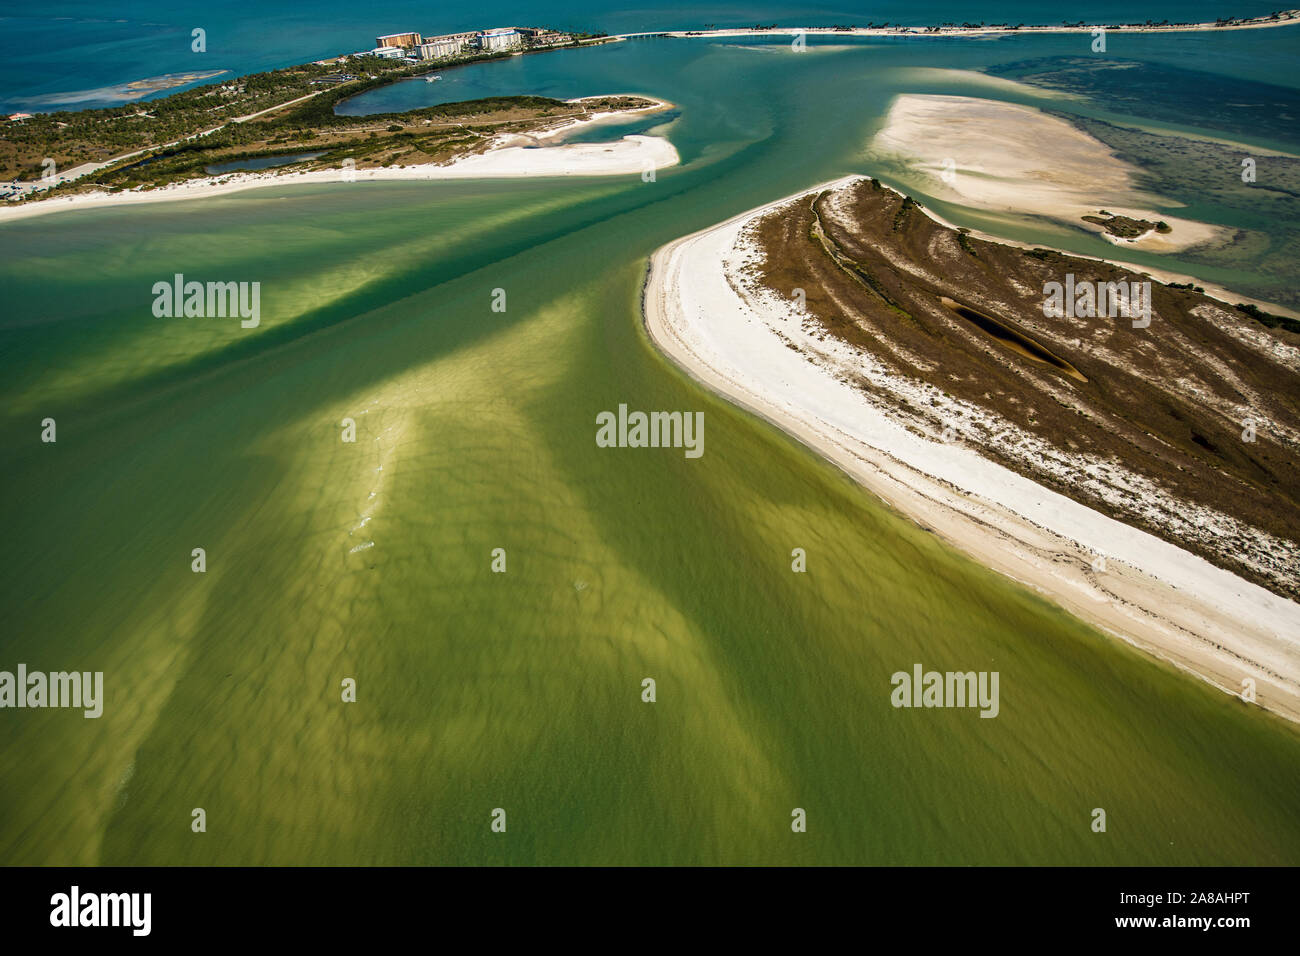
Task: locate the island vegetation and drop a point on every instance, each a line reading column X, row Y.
column 1091, row 406
column 1126, row 227
column 154, row 141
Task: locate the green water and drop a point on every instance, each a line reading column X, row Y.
column 476, row 431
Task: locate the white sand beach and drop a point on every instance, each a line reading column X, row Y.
column 1284, row 18
column 990, row 155
column 1158, row 597
column 507, row 156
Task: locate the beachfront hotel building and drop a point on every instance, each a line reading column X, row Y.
column 448, row 44
column 453, row 44
column 403, row 41
column 490, row 41
column 434, row 49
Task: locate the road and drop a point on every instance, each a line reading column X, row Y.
column 87, row 168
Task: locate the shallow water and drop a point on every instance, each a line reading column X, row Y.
column 117, row 43
column 475, row 431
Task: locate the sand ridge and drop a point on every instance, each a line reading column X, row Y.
column 1158, row 597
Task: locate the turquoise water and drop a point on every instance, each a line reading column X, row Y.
column 850, row 83
column 86, row 46
column 475, row 431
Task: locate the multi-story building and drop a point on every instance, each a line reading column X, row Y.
column 448, row 44
column 403, row 41
column 436, row 49
column 505, row 38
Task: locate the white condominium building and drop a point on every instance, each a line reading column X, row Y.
column 491, row 41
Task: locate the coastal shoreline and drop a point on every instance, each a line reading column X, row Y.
column 981, row 153
column 1286, row 18
column 1154, row 596
column 508, row 156
column 1210, row 289
column 994, row 168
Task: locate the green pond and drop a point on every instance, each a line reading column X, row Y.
column 475, row 430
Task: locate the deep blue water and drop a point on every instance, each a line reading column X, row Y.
column 86, row 48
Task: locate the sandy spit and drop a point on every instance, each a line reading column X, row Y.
column 1164, row 600
column 1288, row 17
column 508, row 157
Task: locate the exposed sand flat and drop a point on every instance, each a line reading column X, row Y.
column 503, row 159
column 1158, row 597
column 972, row 79
column 1004, row 157
column 629, row 156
